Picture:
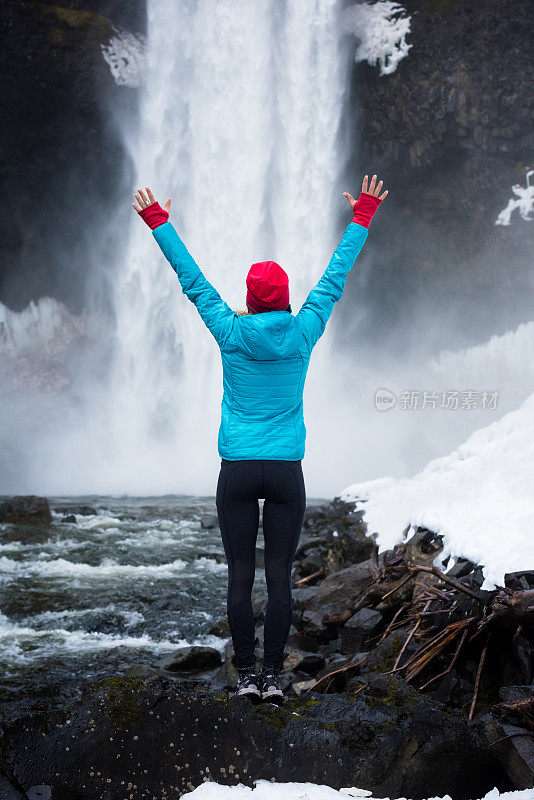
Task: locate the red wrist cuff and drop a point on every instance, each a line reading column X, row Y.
column 364, row 208
column 154, row 215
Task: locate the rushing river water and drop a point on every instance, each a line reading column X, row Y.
column 84, row 599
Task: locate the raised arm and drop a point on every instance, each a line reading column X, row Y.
column 215, row 313
column 319, row 304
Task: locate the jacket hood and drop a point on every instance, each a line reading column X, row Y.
column 268, row 336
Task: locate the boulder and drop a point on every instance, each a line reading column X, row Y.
column 165, row 738
column 313, row 515
column 209, row 521
column 358, row 628
column 382, row 657
column 309, row 663
column 334, row 594
column 221, row 628
column 191, row 659
column 8, row 791
column 24, row 509
column 513, row 748
column 83, row 511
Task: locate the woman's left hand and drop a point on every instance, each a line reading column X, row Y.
column 150, row 210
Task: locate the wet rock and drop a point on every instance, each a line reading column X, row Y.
column 209, row 521
column 382, row 657
column 350, row 546
column 8, row 791
column 302, row 641
column 24, row 509
column 191, row 659
column 70, row 518
column 39, row 793
column 141, row 671
column 83, row 511
column 313, row 515
column 520, row 580
column 303, row 686
column 310, row 563
column 446, row 687
column 386, row 739
column 515, row 692
column 221, row 628
column 302, row 594
column 309, row 663
column 358, row 628
column 512, row 746
column 335, row 593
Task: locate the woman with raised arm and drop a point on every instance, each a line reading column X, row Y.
column 265, row 354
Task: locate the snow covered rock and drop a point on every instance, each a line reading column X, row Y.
column 479, row 498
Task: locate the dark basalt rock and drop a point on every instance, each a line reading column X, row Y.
column 59, row 130
column 82, row 510
column 209, row 521
column 334, row 594
column 358, row 628
column 24, row 509
column 191, row 659
column 164, row 738
column 456, row 112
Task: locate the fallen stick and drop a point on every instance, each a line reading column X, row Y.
column 405, row 645
column 396, row 588
column 451, row 665
column 477, row 682
column 310, row 577
column 334, row 672
column 438, row 646
column 397, row 614
column 454, row 626
column 446, row 579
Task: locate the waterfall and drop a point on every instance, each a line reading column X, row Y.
column 240, row 113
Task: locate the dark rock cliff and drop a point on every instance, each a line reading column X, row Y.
column 450, row 131
column 60, row 150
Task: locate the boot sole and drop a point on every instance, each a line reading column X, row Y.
column 252, row 696
column 277, row 699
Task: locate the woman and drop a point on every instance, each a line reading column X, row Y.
column 265, row 354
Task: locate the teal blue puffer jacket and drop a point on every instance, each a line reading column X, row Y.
column 265, row 356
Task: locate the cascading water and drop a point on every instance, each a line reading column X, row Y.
column 240, row 114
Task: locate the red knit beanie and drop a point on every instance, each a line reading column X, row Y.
column 267, row 287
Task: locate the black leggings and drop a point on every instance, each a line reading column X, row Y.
column 240, row 485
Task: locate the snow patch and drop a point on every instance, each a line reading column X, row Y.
column 126, row 57
column 268, row 790
column 523, row 202
column 479, row 498
column 382, row 29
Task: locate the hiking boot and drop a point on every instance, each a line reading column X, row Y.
column 271, row 691
column 248, row 685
